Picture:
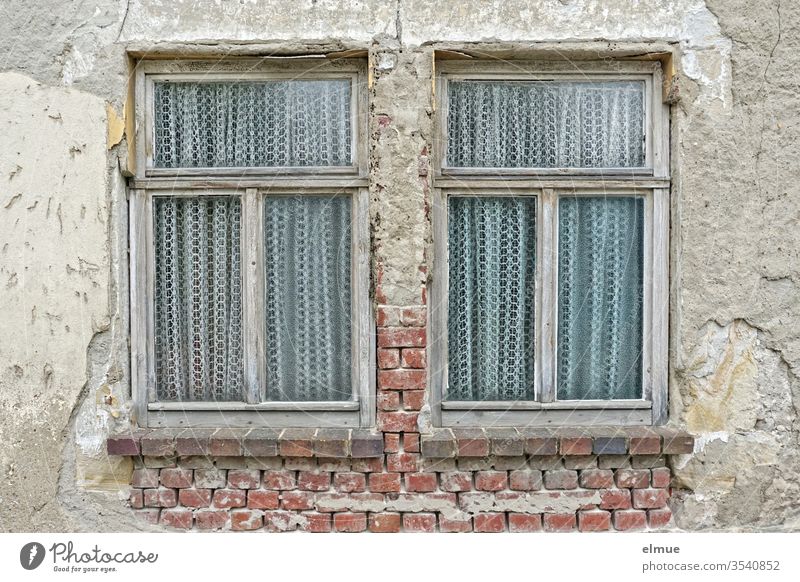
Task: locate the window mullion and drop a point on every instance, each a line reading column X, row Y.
column 253, row 306
column 549, row 292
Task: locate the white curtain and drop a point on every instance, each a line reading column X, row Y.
column 600, row 275
column 492, row 265
column 545, row 124
column 307, row 253
column 255, row 124
column 198, row 303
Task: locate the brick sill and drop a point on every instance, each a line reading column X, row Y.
column 511, row 442
column 290, row 442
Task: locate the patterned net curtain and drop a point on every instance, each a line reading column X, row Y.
column 198, row 303
column 252, row 124
column 492, row 266
column 545, row 124
column 600, row 275
column 307, row 253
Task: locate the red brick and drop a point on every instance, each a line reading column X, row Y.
column 176, row 478
column 401, row 337
column 314, row 481
column 388, row 400
column 315, row 522
column 559, row 522
column 136, row 499
column 471, row 443
column 419, row 522
column 387, row 316
column 295, row 500
column 279, row 480
column 422, row 482
column 210, row 519
column 633, row 478
column 275, row 521
column 373, row 465
column 413, row 358
column 561, row 479
column 525, row 480
column 210, row 478
column 414, row 316
column 388, row 358
column 594, row 520
column 261, row 499
column 660, row 477
column 349, row 482
column 243, row 478
column 411, row 442
column 225, row 443
column 177, row 518
column 397, row 421
column 402, row 379
column 227, row 498
column 524, row 522
column 413, row 399
column 384, row 522
column 246, row 520
column 597, row 478
column 647, row 444
column 402, row 462
column 195, row 497
column 615, row 499
column 575, row 445
column 456, row 481
column 145, row 478
column 491, row 480
column 650, row 498
column 490, row 522
column 350, row 522
column 384, row 482
column 391, row 442
column 629, row 519
column 160, row 498
column 659, row 518
column 454, row 525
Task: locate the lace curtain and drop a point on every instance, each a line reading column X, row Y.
column 256, row 124
column 545, row 124
column 600, row 274
column 198, row 303
column 492, row 264
column 307, row 250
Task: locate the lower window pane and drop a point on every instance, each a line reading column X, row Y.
column 492, row 266
column 198, row 298
column 307, row 254
column 600, row 267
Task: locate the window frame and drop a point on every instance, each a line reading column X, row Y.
column 254, row 186
column 548, row 185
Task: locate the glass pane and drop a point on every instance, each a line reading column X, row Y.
column 307, row 253
column 256, row 124
column 198, row 303
column 492, row 266
column 600, row 270
column 545, row 124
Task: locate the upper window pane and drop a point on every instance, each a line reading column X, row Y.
column 492, row 262
column 545, row 124
column 276, row 123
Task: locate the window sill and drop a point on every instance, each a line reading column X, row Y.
column 290, row 442
column 511, row 442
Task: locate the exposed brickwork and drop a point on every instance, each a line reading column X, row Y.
column 396, row 479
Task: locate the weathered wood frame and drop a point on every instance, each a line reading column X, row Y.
column 548, row 185
column 253, row 186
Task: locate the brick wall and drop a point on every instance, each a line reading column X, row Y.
column 448, row 481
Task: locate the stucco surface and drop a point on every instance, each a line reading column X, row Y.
column 735, row 310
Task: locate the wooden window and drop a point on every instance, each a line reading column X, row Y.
column 551, row 221
column 249, row 240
